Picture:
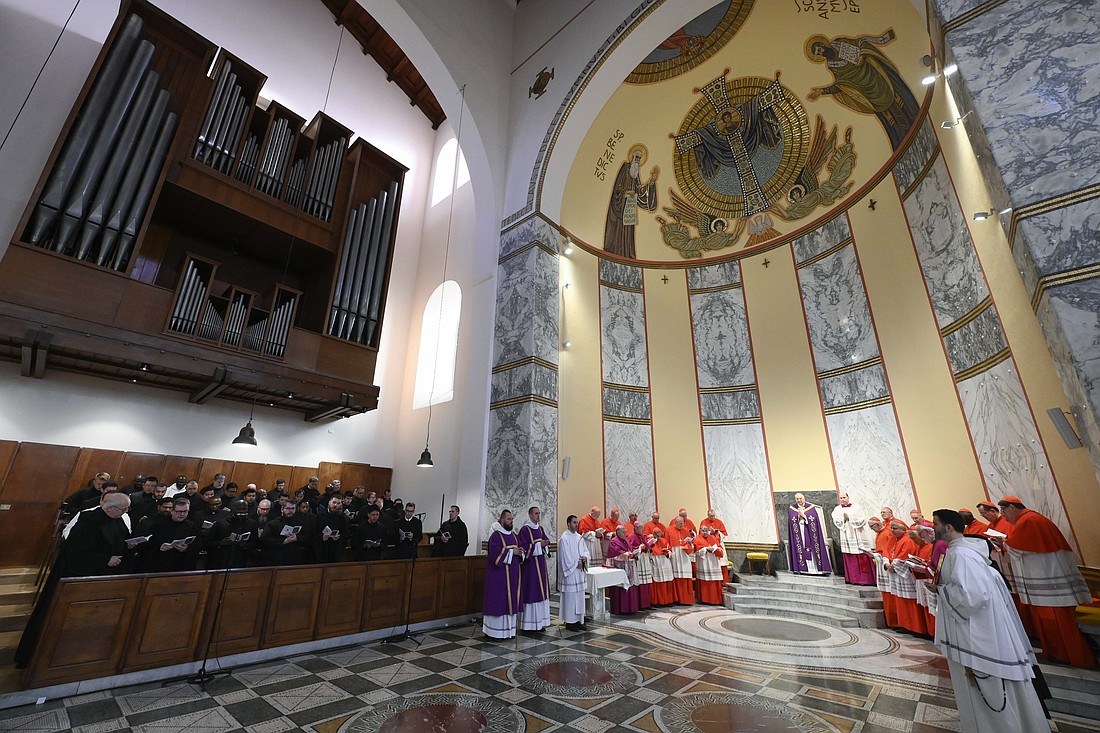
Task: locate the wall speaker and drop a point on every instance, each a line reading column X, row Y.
column 1064, row 428
column 565, row 467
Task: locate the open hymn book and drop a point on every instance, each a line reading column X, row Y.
column 181, row 544
column 291, row 529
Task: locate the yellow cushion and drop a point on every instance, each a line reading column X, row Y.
column 756, row 555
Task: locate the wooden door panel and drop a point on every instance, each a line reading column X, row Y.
column 475, row 599
column 90, row 462
column 245, row 473
column 240, row 625
column 211, row 466
column 343, row 590
column 180, row 466
column 386, row 589
column 41, row 473
column 300, row 475
column 293, row 606
column 273, row 472
column 327, row 471
column 454, row 577
column 141, row 464
column 379, row 479
column 355, row 474
column 425, row 590
column 168, row 624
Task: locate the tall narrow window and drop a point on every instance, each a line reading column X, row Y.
column 435, row 366
column 445, row 171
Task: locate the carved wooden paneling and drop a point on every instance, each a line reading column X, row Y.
column 293, row 605
column 245, row 473
column 211, row 466
column 343, row 589
column 386, row 590
column 240, row 624
column 180, row 466
column 86, row 633
column 40, row 473
column 300, row 475
column 273, row 472
column 355, row 474
column 141, row 464
column 379, row 479
column 167, row 627
column 424, row 598
column 90, row 462
column 454, row 579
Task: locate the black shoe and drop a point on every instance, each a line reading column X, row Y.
column 573, row 627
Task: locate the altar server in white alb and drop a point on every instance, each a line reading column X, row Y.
column 979, row 631
column 572, row 567
column 856, row 542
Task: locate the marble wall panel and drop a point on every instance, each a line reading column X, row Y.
column 1077, row 306
column 828, row 235
column 521, row 467
column 869, row 459
column 545, row 307
column 944, row 247
column 839, row 319
column 714, row 276
column 948, row 10
column 625, row 403
column 534, row 229
column 1007, row 443
column 1032, row 77
column 623, row 337
column 1064, row 239
column 850, row 388
column 723, row 353
column 916, row 156
column 617, row 273
column 629, row 481
column 740, row 486
column 975, row 342
column 523, row 380
column 1081, row 404
column 729, row 405
column 515, row 309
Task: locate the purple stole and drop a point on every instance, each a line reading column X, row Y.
column 536, row 580
column 502, row 580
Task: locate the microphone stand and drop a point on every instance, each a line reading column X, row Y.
column 201, row 677
column 405, row 635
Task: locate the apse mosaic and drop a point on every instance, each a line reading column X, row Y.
column 753, row 158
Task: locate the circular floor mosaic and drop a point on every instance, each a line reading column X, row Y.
column 574, row 675
column 732, row 713
column 438, row 714
column 775, row 629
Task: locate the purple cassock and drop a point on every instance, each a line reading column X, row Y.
column 502, row 578
column 805, row 530
column 623, row 601
column 535, row 586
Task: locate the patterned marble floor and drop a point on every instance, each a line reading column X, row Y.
column 663, row 672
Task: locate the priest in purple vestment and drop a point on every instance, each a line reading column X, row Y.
column 502, row 580
column 806, row 538
column 622, row 555
column 534, row 612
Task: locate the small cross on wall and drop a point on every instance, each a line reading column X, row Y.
column 664, row 279
column 766, row 262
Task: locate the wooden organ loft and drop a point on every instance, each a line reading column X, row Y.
column 184, row 236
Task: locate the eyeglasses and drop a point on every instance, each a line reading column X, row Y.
column 180, row 511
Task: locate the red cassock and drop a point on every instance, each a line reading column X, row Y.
column 708, row 569
column 909, row 613
column 661, row 591
column 681, row 566
column 884, row 546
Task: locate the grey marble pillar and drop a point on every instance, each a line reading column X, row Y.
column 521, row 468
column 1027, row 77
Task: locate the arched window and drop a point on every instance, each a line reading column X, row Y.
column 435, row 366
column 445, row 171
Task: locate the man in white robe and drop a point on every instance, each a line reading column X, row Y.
column 572, row 570
column 856, row 541
column 979, row 631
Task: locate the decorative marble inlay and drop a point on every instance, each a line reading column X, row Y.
column 629, row 481
column 944, row 247
column 521, row 466
column 527, row 308
column 457, row 712
column 828, row 235
column 524, row 380
column 916, row 156
column 729, row 405
column 616, row 273
column 625, row 403
column 948, row 10
column 976, row 341
column 712, row 712
column 789, row 630
column 854, row 387
column 534, row 230
column 1033, row 81
column 837, row 313
column 1063, row 239
column 622, row 325
column 723, row 353
column 869, row 460
column 739, row 482
column 574, row 676
column 1009, row 451
column 714, row 276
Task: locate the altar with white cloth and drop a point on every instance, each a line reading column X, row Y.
column 597, row 579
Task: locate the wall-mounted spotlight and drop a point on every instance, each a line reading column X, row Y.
column 928, row 79
column 566, row 344
column 950, row 69
column 948, row 124
column 982, row 215
column 567, row 246
column 144, row 367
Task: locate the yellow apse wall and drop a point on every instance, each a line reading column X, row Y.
column 933, row 428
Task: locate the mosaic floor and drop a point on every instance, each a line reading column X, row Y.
column 664, row 672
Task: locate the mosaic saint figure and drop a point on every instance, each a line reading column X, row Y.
column 629, row 194
column 865, row 81
column 806, row 533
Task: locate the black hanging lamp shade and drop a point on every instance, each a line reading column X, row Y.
column 247, row 435
column 425, row 458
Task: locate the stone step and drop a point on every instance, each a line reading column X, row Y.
column 1069, row 678
column 822, row 596
column 829, row 619
column 1072, row 702
column 17, row 576
column 820, row 584
column 14, row 617
column 868, row 618
column 784, row 576
column 9, row 640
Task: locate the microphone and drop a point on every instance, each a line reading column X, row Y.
column 421, row 514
